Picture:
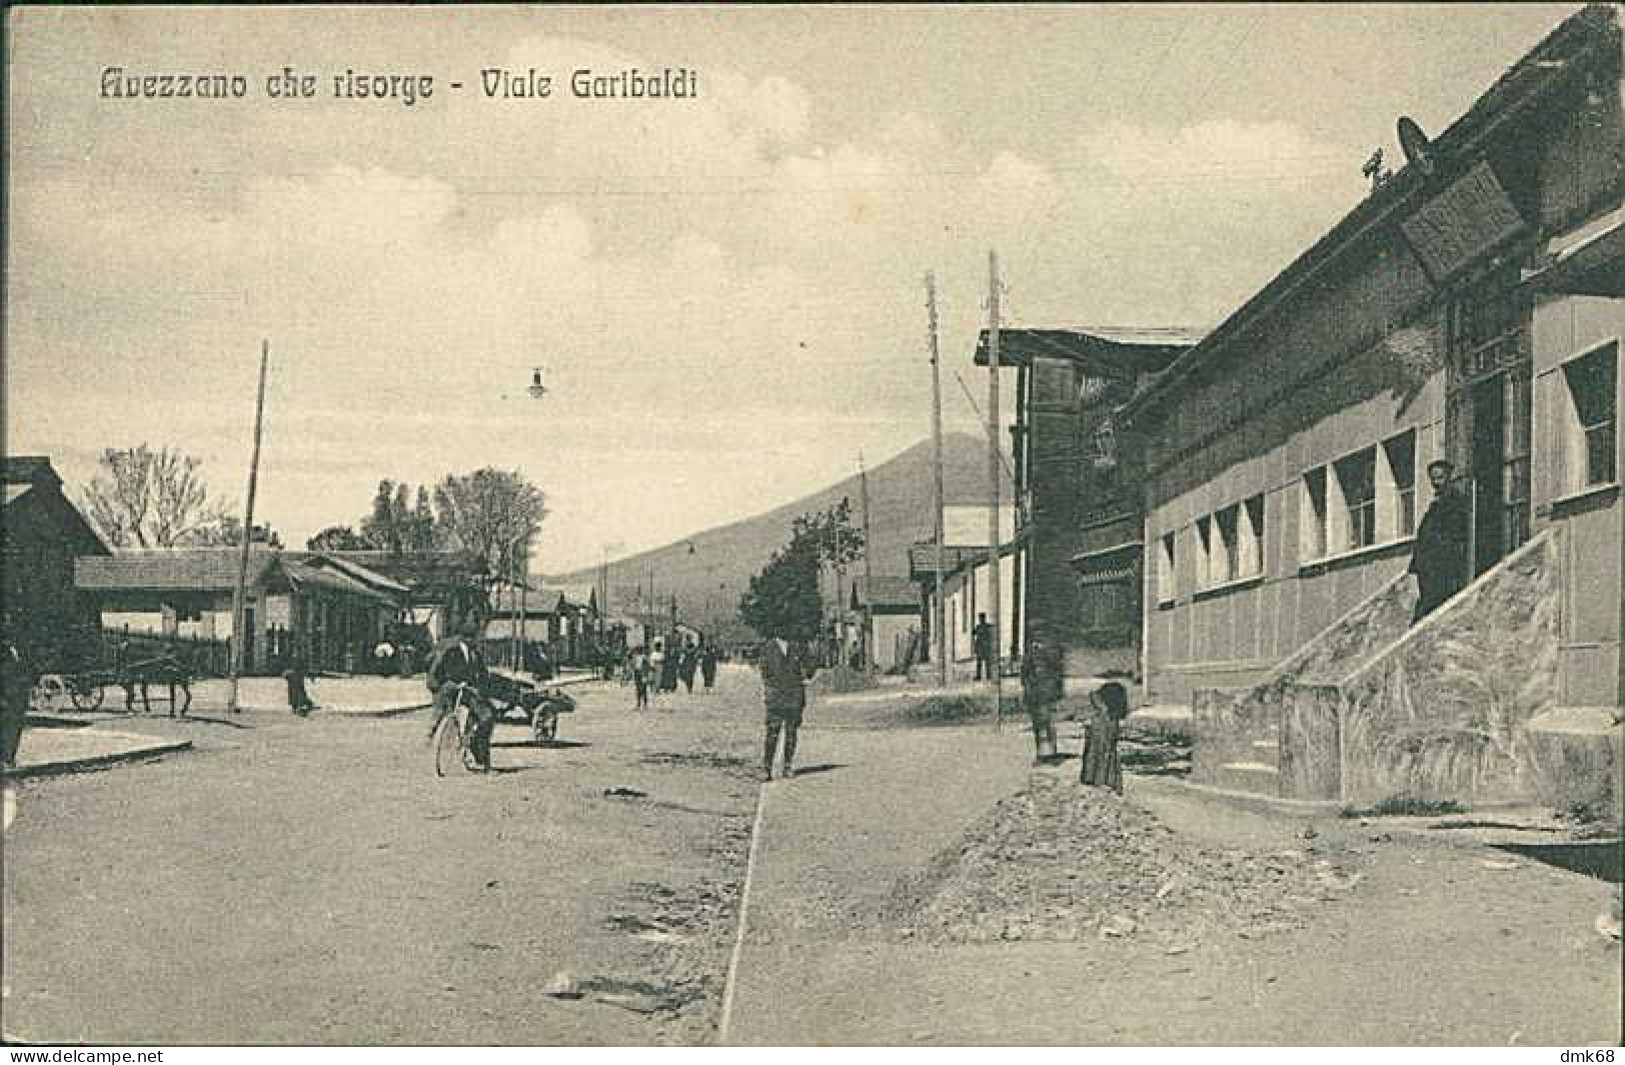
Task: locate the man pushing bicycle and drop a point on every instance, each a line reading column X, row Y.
column 459, row 666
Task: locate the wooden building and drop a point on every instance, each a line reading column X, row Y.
column 42, row 534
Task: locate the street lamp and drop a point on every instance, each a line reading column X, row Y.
column 537, row 389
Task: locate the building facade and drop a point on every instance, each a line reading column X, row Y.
column 41, row 535
column 1468, row 310
column 1077, row 506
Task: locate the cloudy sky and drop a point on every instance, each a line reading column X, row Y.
column 725, row 292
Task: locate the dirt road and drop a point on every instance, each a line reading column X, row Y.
column 310, row 881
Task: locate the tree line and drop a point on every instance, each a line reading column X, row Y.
column 142, row 497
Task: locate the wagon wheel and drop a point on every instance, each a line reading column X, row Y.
column 185, row 685
column 86, row 694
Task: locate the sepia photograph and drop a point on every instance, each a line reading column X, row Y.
column 864, row 525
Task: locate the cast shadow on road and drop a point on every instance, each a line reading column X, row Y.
column 546, row 745
column 203, row 720
column 823, row 767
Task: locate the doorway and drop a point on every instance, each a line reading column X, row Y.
column 1501, row 415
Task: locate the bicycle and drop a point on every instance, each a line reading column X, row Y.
column 452, row 735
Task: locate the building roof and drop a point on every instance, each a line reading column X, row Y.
column 883, row 592
column 354, row 570
column 313, row 574
column 426, row 574
column 196, row 569
column 1121, row 349
column 28, row 469
column 1550, row 65
column 922, row 560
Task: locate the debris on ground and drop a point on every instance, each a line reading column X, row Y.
column 623, row 792
column 1057, row 861
column 563, row 985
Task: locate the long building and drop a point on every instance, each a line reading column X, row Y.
column 1469, row 310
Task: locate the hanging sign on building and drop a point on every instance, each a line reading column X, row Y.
column 1462, row 223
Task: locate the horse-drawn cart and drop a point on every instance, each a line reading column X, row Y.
column 515, row 694
column 87, row 689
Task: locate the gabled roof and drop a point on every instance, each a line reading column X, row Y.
column 583, row 595
column 28, row 469
column 426, row 574
column 33, row 487
column 196, row 569
column 313, row 573
column 351, row 569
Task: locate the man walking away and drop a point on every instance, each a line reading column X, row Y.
column 981, row 641
column 641, row 672
column 785, row 671
column 1439, row 558
column 1041, row 688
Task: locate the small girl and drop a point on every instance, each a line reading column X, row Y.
column 1101, row 768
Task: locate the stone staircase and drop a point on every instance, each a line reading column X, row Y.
column 1372, row 708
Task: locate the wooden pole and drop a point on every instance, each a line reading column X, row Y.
column 239, row 596
column 868, row 572
column 993, row 485
column 939, row 609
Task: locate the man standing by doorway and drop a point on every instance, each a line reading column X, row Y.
column 1440, row 558
column 981, row 641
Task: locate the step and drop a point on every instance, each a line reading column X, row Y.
column 1257, row 778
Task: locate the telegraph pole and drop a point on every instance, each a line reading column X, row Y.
column 939, row 631
column 868, row 573
column 239, row 598
column 993, row 485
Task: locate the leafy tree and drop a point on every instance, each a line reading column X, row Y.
column 337, row 538
column 420, row 531
column 783, row 599
column 492, row 514
column 382, row 527
column 147, row 498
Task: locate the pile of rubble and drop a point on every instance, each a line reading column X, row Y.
column 1057, row 861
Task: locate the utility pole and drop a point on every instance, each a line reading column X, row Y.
column 868, row 573
column 993, row 485
column 939, row 630
column 239, row 598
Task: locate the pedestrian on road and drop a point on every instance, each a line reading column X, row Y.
column 785, row 669
column 640, row 677
column 686, row 666
column 1439, row 558
column 15, row 684
column 299, row 700
column 981, row 641
column 668, row 667
column 708, row 666
column 1042, row 684
column 1108, row 707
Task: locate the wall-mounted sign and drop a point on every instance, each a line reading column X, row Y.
column 1462, row 223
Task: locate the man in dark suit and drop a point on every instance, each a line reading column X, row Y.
column 785, row 668
column 1440, row 558
column 459, row 661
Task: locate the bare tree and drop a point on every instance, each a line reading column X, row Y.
column 147, row 498
column 492, row 514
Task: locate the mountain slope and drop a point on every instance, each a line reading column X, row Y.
column 710, row 570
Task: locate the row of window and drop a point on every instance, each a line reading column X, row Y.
column 1368, row 498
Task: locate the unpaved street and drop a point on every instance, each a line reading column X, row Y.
column 311, row 881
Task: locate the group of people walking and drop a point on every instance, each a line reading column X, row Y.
column 665, row 665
